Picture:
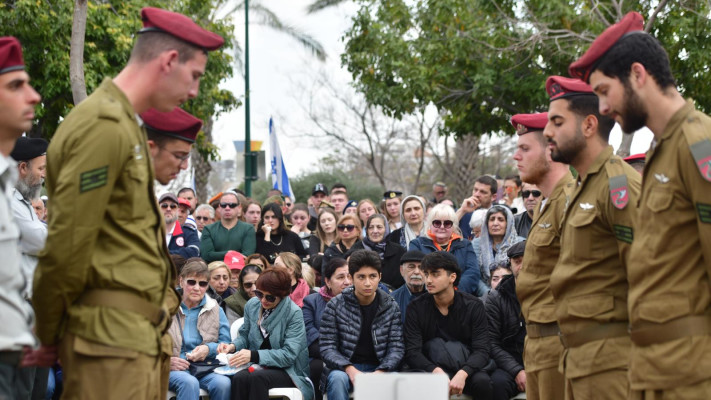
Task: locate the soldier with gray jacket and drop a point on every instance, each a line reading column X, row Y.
column 361, row 329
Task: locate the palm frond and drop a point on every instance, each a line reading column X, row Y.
column 319, row 5
column 270, row 19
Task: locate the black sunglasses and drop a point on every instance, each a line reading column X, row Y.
column 438, row 224
column 535, row 193
column 172, row 206
column 270, row 297
column 247, row 285
column 193, row 282
column 345, row 227
column 230, row 205
column 199, row 218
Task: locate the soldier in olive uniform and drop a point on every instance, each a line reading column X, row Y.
column 670, row 275
column 589, row 282
column 105, row 281
column 542, row 349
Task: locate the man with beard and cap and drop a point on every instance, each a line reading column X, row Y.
column 414, row 280
column 104, row 287
column 542, row 348
column 670, row 277
column 17, row 104
column 589, row 283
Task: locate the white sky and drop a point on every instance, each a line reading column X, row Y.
column 278, row 63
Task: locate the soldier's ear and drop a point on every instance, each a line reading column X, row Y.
column 153, row 148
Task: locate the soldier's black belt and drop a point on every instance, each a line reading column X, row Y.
column 648, row 333
column 123, row 301
column 10, row 357
column 534, row 330
column 597, row 332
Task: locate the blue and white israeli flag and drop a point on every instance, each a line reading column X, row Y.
column 280, row 179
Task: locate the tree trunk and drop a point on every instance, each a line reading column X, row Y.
column 202, row 167
column 466, row 152
column 76, row 52
column 625, row 145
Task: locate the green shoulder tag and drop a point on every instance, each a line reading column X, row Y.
column 623, row 233
column 704, row 211
column 93, row 179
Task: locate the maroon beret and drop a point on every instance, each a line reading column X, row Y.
column 10, row 55
column 636, row 157
column 632, row 22
column 180, row 26
column 525, row 123
column 177, row 123
column 559, row 87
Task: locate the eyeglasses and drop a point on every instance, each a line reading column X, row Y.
column 230, row 205
column 193, row 282
column 343, row 227
column 247, row 285
column 182, row 158
column 270, row 297
column 199, row 218
column 535, row 193
column 438, row 224
column 172, row 206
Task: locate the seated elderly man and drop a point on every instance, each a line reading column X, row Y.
column 414, row 280
column 180, row 240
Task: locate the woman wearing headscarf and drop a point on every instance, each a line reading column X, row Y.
column 376, row 229
column 412, row 215
column 498, row 234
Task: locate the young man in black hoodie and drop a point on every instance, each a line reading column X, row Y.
column 446, row 330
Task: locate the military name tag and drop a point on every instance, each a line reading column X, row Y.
column 93, row 179
column 704, row 211
column 702, row 155
column 618, row 191
column 623, row 233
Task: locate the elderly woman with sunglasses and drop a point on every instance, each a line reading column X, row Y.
column 376, row 229
column 348, row 233
column 274, row 337
column 196, row 330
column 443, row 234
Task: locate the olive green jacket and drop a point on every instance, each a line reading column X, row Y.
column 105, row 229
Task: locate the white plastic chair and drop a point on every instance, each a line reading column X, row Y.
column 401, row 386
column 234, row 329
column 286, row 393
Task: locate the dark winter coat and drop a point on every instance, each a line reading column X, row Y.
column 507, row 329
column 390, row 266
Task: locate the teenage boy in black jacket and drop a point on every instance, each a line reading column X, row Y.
column 446, row 331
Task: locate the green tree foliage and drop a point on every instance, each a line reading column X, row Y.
column 358, row 189
column 44, row 29
column 481, row 61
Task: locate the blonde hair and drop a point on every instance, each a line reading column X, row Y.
column 356, row 222
column 292, row 260
column 218, row 264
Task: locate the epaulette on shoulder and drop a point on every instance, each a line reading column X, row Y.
column 110, row 109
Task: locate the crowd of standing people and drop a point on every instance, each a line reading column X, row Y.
column 585, row 278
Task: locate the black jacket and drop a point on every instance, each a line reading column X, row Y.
column 390, row 267
column 285, row 241
column 507, row 329
column 335, row 250
column 467, row 318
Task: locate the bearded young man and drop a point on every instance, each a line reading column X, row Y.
column 670, row 276
column 542, row 349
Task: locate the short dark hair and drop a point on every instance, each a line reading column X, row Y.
column 487, row 180
column 186, row 189
column 515, row 178
column 150, row 44
column 332, row 266
column 339, row 186
column 637, row 47
column 160, row 139
column 441, row 260
column 363, row 258
column 248, row 269
column 275, row 281
column 278, row 214
column 583, row 106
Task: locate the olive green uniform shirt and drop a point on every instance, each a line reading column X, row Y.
column 533, row 282
column 670, row 267
column 105, row 229
column 589, row 283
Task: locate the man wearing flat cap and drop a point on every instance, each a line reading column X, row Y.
column 670, row 272
column 17, row 103
column 542, row 349
column 104, row 287
column 589, row 283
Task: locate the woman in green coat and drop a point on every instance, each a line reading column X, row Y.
column 272, row 341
